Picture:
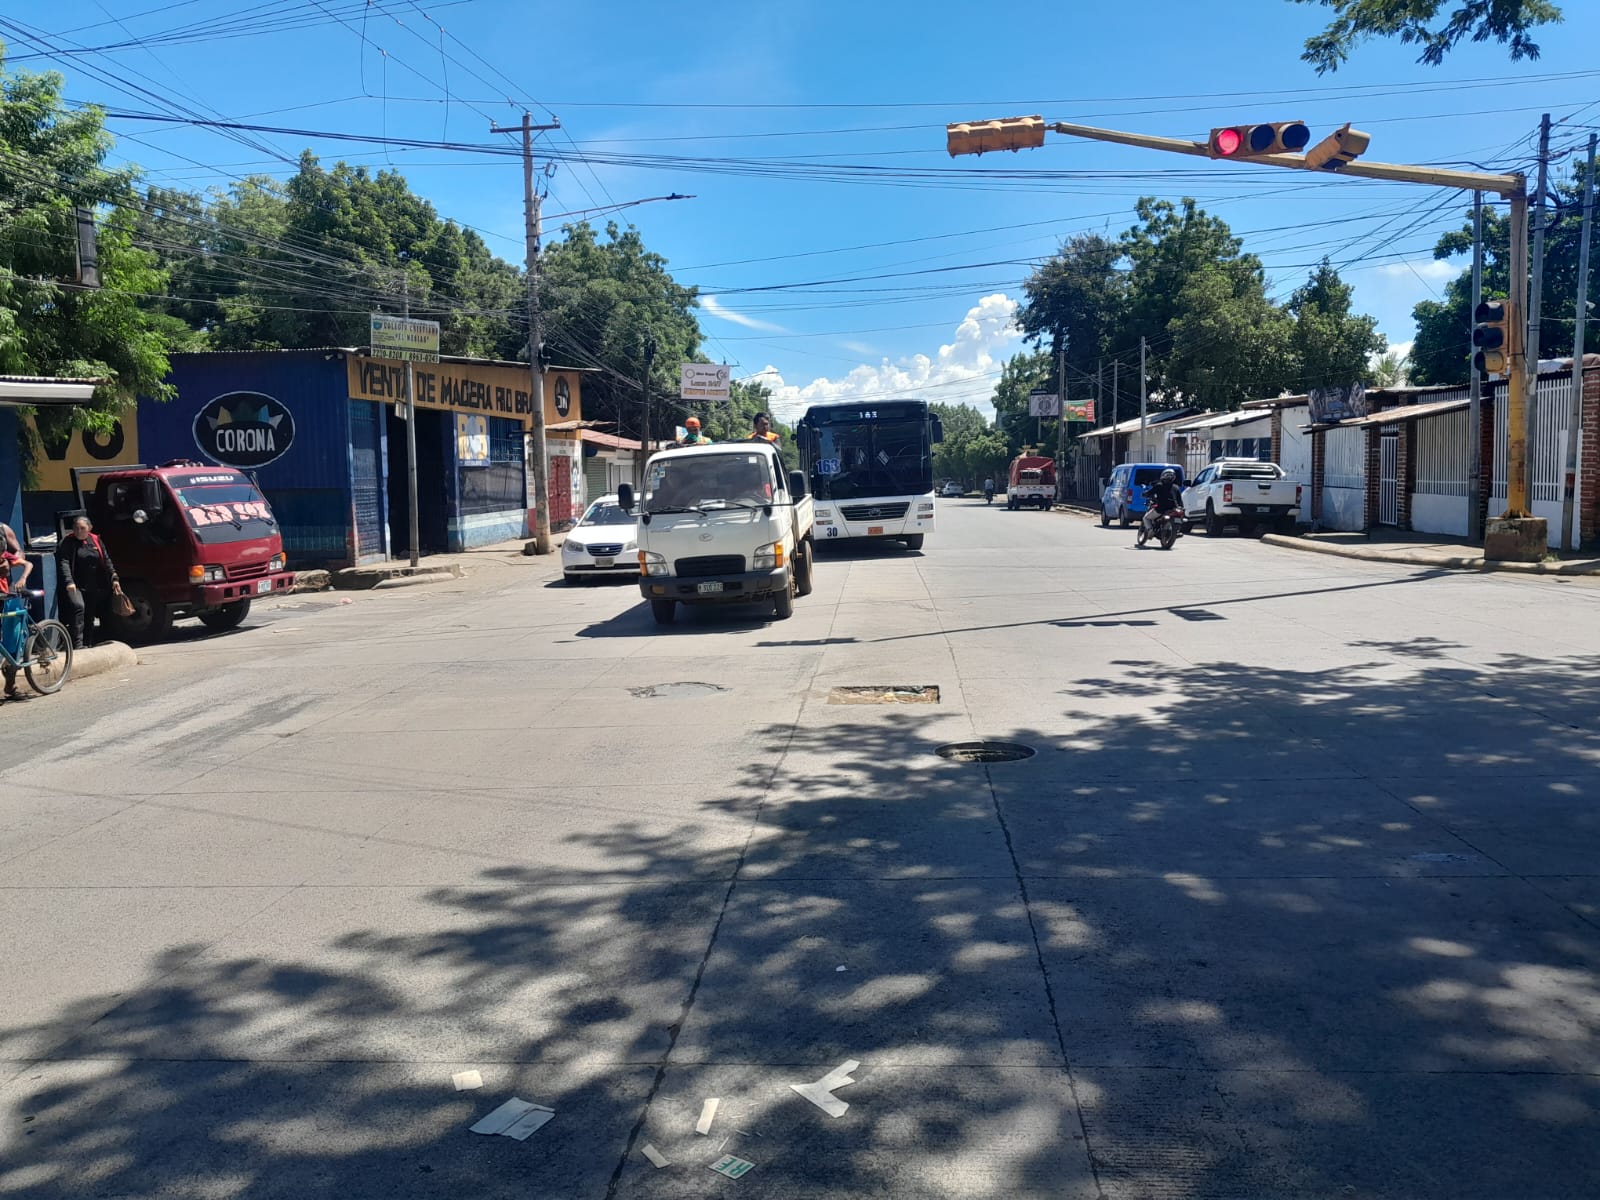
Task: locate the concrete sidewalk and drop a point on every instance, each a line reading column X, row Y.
column 432, row 567
column 1422, row 550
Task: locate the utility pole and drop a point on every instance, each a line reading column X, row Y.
column 1115, row 364
column 1144, row 403
column 1475, row 403
column 1571, row 536
column 1061, row 415
column 644, row 404
column 532, row 231
column 1535, row 298
column 1100, row 410
column 411, row 434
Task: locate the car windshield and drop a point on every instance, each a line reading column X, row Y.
column 226, row 512
column 688, row 482
column 606, row 514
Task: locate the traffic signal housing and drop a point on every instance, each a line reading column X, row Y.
column 980, row 137
column 1491, row 334
column 1254, row 141
column 1338, row 148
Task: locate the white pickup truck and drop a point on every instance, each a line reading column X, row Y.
column 722, row 524
column 1243, row 492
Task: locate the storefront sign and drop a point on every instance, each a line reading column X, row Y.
column 403, row 338
column 244, row 430
column 702, row 381
column 486, row 388
column 1338, row 404
column 1080, row 410
column 1044, row 404
column 83, row 448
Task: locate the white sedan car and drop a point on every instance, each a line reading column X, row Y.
column 601, row 543
column 953, row 489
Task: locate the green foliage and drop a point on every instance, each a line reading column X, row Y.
column 50, row 164
column 735, row 420
column 602, row 299
column 971, row 449
column 1443, row 349
column 1330, row 344
column 1081, row 294
column 1431, row 24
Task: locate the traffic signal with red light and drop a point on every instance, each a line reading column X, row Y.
column 1491, row 334
column 980, row 137
column 1254, row 141
column 1339, row 147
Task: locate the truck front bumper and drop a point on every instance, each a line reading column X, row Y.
column 742, row 588
column 215, row 595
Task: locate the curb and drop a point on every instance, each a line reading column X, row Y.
column 364, row 578
column 97, row 660
column 1457, row 563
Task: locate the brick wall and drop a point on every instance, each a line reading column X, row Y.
column 1277, row 435
column 1318, row 461
column 1589, row 467
column 1406, row 471
column 1370, row 508
column 1493, row 394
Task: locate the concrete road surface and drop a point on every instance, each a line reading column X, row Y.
column 1296, row 897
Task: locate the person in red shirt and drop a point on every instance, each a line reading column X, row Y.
column 10, row 559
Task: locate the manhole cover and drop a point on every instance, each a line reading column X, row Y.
column 665, row 691
column 885, row 693
column 985, row 752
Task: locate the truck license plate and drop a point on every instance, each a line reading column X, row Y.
column 713, row 586
column 1261, row 508
column 603, row 562
column 874, row 530
column 263, row 585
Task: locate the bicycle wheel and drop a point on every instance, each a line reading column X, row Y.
column 47, row 656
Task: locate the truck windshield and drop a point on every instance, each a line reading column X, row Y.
column 226, row 512
column 701, row 482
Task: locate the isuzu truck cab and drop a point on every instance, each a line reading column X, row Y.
column 721, row 524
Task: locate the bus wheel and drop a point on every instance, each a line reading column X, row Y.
column 913, row 541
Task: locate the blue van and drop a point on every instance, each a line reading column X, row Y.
column 1123, row 500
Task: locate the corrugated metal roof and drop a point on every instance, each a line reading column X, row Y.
column 31, row 390
column 1393, row 416
column 1223, row 420
column 1132, row 425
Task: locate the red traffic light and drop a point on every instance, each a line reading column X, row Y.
column 1226, row 142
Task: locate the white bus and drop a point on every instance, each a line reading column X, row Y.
column 870, row 467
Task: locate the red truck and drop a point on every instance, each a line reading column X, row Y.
column 188, row 540
column 1033, row 481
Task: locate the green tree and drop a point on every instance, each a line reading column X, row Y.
column 1022, row 373
column 1079, row 292
column 1391, row 370
column 1432, row 24
column 1330, row 344
column 601, row 300
column 51, row 160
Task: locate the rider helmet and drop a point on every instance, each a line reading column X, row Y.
column 1168, row 475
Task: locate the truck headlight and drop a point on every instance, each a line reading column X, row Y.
column 768, row 557
column 651, row 563
column 208, row 574
column 277, row 563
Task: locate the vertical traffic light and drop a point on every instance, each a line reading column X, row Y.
column 1491, row 334
column 980, row 137
column 1254, row 141
column 1338, row 148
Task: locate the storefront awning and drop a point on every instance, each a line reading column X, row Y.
column 1406, row 412
column 17, row 390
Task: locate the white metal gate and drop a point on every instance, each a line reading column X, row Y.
column 1389, row 479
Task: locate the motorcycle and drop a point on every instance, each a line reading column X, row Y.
column 988, row 495
column 1166, row 528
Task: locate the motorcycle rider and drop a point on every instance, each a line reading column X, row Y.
column 1161, row 497
column 988, row 490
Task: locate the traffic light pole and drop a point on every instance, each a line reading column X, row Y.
column 1571, row 534
column 1516, row 535
column 1475, row 402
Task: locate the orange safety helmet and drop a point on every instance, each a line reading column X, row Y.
column 692, row 423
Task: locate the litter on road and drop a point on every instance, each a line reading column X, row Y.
column 466, row 1081
column 731, row 1166
column 708, row 1113
column 515, row 1119
column 655, row 1156
column 821, row 1094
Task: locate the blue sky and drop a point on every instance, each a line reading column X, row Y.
column 787, row 102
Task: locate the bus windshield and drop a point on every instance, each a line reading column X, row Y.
column 870, row 455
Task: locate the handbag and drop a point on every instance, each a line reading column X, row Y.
column 120, row 604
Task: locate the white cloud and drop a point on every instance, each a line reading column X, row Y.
column 710, row 305
column 1432, row 270
column 963, row 371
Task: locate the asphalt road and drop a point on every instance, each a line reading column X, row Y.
column 1297, row 896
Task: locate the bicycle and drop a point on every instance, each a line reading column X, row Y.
column 40, row 649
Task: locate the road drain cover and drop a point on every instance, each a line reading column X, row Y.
column 666, row 691
column 885, row 693
column 985, row 752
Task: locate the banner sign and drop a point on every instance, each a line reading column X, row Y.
column 1330, row 405
column 703, row 381
column 471, row 387
column 83, row 448
column 1044, row 404
column 244, row 429
column 1080, row 410
column 405, row 339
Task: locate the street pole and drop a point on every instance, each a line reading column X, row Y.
column 1100, row 409
column 532, row 231
column 1115, row 364
column 644, row 387
column 1536, row 297
column 411, row 437
column 1517, row 367
column 1144, row 402
column 1570, row 536
column 1061, row 416
column 1475, row 393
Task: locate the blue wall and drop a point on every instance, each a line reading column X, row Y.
column 309, row 486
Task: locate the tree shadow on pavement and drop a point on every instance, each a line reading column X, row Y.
column 1232, row 931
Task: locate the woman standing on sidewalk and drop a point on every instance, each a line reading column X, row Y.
column 85, row 569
